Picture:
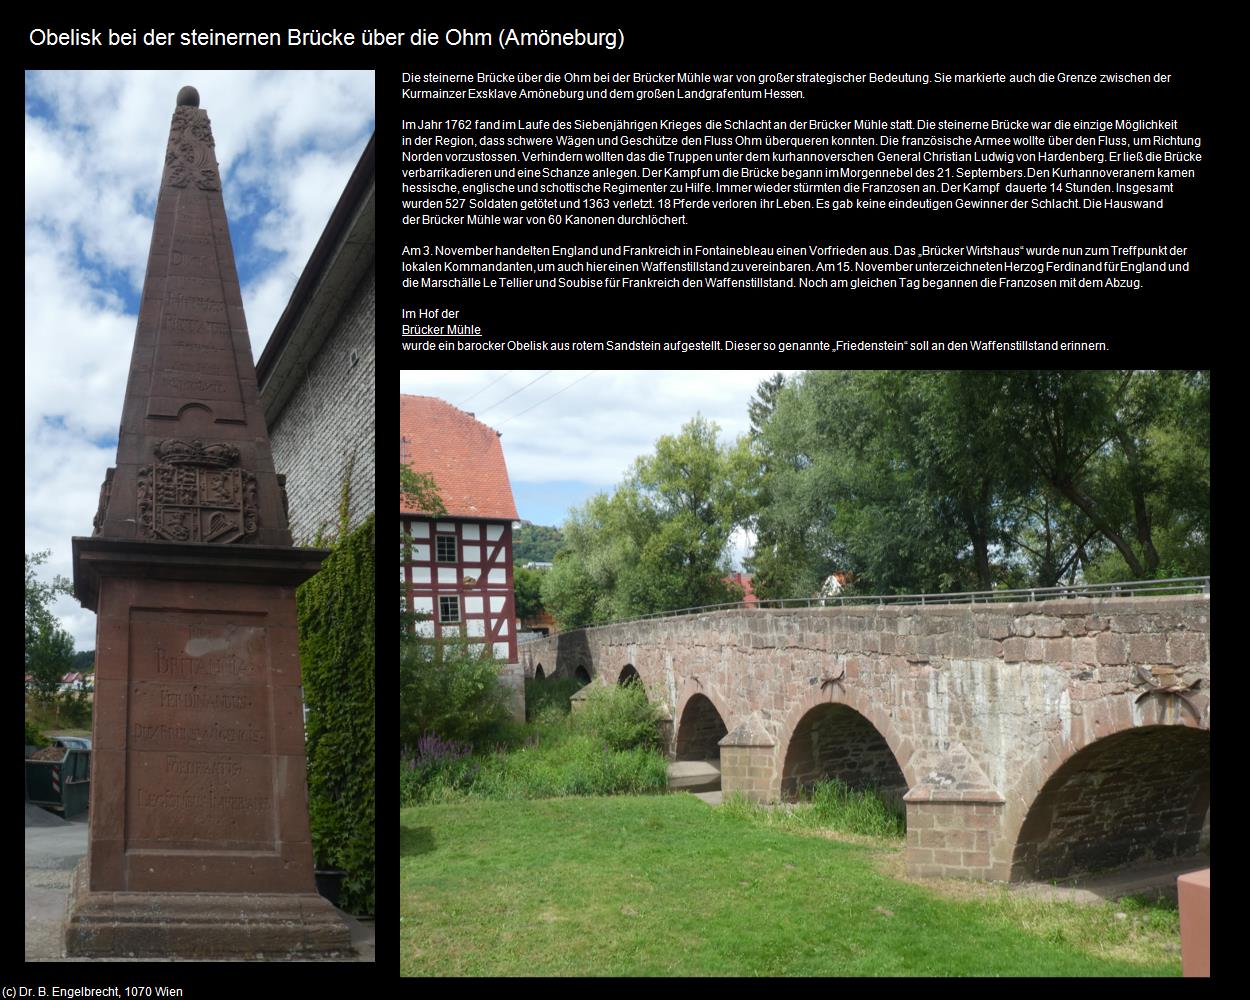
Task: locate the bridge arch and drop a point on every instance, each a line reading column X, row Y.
column 1132, row 786
column 628, row 676
column 582, row 674
column 836, row 733
column 538, row 673
column 701, row 722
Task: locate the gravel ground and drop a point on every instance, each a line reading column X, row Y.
column 53, row 849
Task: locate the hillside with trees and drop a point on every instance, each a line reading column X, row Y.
column 535, row 543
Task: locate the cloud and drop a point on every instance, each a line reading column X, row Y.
column 584, row 440
column 592, row 432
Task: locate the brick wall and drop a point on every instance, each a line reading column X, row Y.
column 951, row 839
column 330, row 416
column 748, row 771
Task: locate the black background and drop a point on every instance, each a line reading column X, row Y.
column 1175, row 323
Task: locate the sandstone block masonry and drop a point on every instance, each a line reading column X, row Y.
column 1026, row 735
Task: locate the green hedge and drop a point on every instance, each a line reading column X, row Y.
column 336, row 628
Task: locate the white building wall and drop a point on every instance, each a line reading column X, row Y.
column 327, row 419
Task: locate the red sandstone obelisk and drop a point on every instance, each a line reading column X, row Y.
column 199, row 808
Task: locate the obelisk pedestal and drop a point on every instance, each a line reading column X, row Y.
column 199, row 841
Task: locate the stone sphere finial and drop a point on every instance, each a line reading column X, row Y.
column 188, row 97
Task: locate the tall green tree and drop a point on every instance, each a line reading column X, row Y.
column 1129, row 450
column 949, row 429
column 49, row 657
column 527, row 589
column 40, row 594
column 938, row 481
column 49, row 648
column 764, row 402
column 660, row 541
column 853, row 486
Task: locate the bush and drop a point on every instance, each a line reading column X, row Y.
column 336, row 625
column 549, row 699
column 559, row 758
column 449, row 689
column 74, row 708
column 620, row 716
column 578, row 765
column 34, row 738
column 438, row 765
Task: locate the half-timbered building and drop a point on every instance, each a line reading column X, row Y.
column 456, row 566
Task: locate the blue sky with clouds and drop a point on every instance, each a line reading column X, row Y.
column 286, row 143
column 570, row 434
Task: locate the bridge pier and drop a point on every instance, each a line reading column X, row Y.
column 748, row 762
column 954, row 838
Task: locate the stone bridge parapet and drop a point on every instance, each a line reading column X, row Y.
column 1028, row 739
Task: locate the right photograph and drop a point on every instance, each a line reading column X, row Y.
column 733, row 657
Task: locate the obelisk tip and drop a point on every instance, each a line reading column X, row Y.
column 188, row 97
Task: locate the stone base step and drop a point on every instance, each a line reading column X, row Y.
column 693, row 776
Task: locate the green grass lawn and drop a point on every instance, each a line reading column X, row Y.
column 666, row 886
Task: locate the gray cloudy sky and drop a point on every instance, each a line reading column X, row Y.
column 286, row 143
column 562, row 449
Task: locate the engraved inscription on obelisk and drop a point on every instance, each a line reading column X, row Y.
column 200, row 740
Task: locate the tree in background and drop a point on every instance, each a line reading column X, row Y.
column 535, row 543
column 48, row 659
column 843, row 490
column 49, row 648
column 659, row 541
column 957, row 480
column 39, row 594
column 1130, row 451
column 419, row 491
column 527, row 589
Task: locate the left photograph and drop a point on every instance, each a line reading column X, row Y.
column 199, row 536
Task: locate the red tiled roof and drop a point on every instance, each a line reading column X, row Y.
column 463, row 455
column 744, row 580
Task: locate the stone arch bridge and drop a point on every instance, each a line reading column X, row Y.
column 1029, row 740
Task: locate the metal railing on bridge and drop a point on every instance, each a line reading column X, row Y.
column 1132, row 588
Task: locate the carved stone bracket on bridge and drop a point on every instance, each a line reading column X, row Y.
column 836, row 677
column 1167, row 684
